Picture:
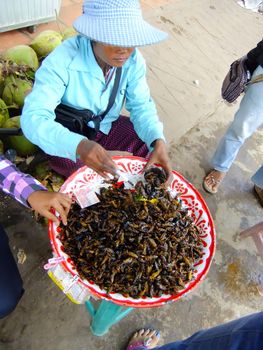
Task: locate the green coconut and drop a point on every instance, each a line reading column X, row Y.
column 4, row 114
column 46, row 42
column 22, row 55
column 21, row 144
column 16, row 90
column 2, row 120
column 1, row 147
column 68, row 33
column 2, row 78
column 41, row 170
column 2, row 85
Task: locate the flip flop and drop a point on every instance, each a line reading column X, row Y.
column 210, row 181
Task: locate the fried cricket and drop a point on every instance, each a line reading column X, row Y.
column 140, row 243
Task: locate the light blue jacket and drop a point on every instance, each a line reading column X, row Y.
column 71, row 75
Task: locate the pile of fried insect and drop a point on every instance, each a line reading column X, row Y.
column 138, row 242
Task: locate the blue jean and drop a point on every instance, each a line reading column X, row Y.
column 245, row 333
column 247, row 120
column 11, row 285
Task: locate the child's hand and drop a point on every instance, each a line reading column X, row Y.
column 43, row 201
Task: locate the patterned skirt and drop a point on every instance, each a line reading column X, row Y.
column 122, row 137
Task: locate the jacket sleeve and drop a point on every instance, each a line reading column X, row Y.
column 142, row 108
column 38, row 116
column 16, row 183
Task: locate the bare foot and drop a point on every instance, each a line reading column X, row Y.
column 144, row 338
column 212, row 181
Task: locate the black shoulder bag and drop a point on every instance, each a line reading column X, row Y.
column 77, row 120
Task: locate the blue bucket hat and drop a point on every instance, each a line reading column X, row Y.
column 116, row 22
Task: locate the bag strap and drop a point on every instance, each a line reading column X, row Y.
column 95, row 119
column 98, row 118
column 113, row 92
column 11, row 131
column 257, row 79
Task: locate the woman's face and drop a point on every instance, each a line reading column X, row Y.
column 112, row 55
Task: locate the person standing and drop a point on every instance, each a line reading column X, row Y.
column 247, row 120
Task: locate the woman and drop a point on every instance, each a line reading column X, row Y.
column 30, row 193
column 80, row 73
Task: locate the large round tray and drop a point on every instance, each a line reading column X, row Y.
column 191, row 198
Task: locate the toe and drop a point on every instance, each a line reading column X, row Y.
column 208, row 186
column 141, row 332
column 136, row 334
column 151, row 333
column 152, row 338
column 147, row 332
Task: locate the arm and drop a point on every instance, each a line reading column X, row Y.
column 18, row 185
column 144, row 117
column 28, row 191
column 38, row 117
column 255, row 57
column 139, row 103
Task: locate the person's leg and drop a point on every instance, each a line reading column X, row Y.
column 247, row 120
column 245, row 333
column 122, row 137
column 11, row 284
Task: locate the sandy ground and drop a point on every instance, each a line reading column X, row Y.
column 185, row 75
column 186, row 71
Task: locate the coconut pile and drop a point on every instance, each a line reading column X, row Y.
column 17, row 70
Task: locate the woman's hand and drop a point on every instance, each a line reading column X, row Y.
column 96, row 157
column 43, row 201
column 160, row 156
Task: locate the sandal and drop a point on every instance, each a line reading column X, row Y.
column 144, row 339
column 212, row 181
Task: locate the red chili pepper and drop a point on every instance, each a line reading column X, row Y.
column 118, row 184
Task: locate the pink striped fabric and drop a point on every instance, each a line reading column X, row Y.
column 122, row 137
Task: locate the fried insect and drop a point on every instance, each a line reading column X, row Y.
column 140, row 243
